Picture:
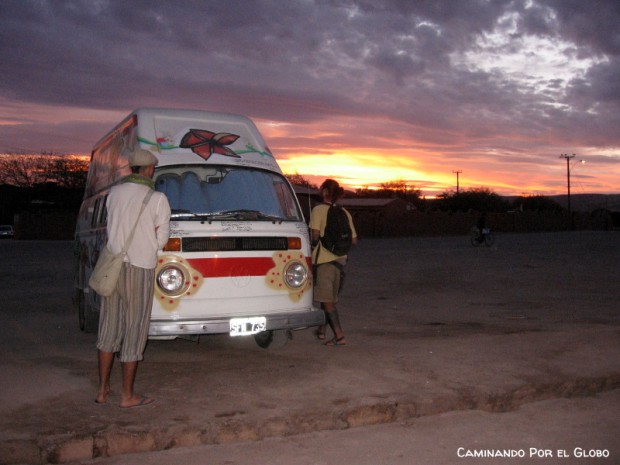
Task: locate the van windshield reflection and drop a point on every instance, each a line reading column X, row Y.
column 208, row 192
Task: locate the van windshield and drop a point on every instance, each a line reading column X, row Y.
column 223, row 192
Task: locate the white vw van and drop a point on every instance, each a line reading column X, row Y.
column 238, row 260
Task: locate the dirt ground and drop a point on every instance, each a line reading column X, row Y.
column 433, row 324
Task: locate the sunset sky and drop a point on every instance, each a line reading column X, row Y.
column 365, row 91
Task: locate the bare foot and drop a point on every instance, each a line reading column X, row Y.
column 102, row 397
column 337, row 341
column 137, row 401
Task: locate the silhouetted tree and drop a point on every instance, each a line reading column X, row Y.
column 298, row 180
column 479, row 199
column 68, row 172
column 537, row 203
column 27, row 171
column 20, row 170
column 35, row 182
column 391, row 190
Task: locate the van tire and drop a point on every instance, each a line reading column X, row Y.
column 273, row 339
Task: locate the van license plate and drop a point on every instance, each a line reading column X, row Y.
column 247, row 326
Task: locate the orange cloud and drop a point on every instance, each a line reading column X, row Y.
column 355, row 169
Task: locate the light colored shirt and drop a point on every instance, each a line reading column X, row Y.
column 318, row 221
column 124, row 204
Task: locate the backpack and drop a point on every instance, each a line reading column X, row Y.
column 338, row 236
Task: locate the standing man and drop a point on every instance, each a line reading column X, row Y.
column 330, row 267
column 125, row 315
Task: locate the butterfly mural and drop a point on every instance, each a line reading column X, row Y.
column 206, row 143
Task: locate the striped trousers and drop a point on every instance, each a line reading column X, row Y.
column 126, row 314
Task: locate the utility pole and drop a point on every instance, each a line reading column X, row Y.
column 457, row 179
column 568, row 159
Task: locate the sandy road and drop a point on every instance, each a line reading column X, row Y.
column 434, row 325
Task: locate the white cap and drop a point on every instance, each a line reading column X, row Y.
column 142, row 157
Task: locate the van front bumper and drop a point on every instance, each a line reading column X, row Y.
column 177, row 328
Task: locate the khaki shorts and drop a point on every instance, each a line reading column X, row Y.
column 327, row 283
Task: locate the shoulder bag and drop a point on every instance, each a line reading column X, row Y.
column 105, row 276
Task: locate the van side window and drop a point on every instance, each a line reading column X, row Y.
column 287, row 204
column 94, row 218
column 103, row 211
column 100, row 213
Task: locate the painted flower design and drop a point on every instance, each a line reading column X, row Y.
column 165, row 142
column 206, row 143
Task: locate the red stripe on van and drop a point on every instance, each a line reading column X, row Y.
column 227, row 267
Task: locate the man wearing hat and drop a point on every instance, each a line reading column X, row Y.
column 125, row 315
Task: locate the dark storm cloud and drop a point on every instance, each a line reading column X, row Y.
column 592, row 25
column 307, row 60
column 115, row 55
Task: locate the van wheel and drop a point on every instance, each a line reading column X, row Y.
column 273, row 339
column 88, row 320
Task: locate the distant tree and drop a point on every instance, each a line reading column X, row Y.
column 536, row 203
column 27, row 171
column 479, row 199
column 391, row 190
column 20, row 170
column 68, row 172
column 365, row 192
column 298, row 180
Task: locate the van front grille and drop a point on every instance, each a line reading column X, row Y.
column 233, row 244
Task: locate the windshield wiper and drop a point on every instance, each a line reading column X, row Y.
column 250, row 215
column 177, row 213
column 247, row 215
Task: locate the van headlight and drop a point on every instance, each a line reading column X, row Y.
column 171, row 279
column 175, row 278
column 295, row 275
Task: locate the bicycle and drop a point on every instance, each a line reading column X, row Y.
column 485, row 237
